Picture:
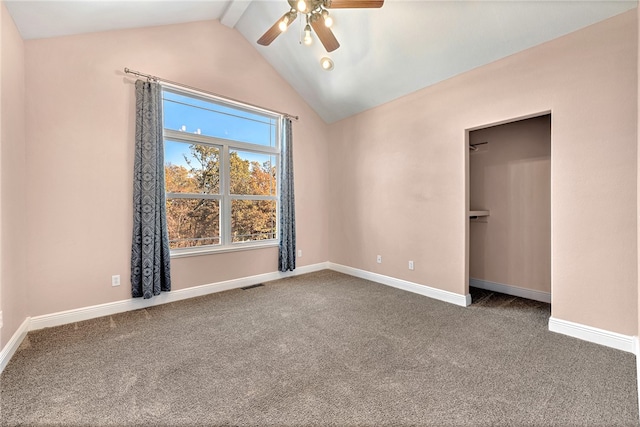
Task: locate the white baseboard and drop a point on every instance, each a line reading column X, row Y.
column 107, row 309
column 86, row 313
column 439, row 294
column 511, row 290
column 583, row 332
column 92, row 312
column 10, row 348
column 598, row 336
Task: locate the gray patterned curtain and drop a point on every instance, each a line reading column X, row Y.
column 150, row 262
column 287, row 258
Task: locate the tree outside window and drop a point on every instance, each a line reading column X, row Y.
column 220, row 192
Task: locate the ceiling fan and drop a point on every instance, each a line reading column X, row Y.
column 317, row 16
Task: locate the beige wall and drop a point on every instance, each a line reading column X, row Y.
column 80, row 110
column 3, row 12
column 638, row 184
column 511, row 177
column 13, row 229
column 398, row 172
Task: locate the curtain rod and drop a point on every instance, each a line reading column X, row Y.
column 224, row 98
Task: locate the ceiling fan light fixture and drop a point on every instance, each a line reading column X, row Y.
column 286, row 20
column 302, row 6
column 328, row 20
column 307, row 35
column 284, row 24
column 326, row 63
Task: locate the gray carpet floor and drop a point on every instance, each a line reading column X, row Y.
column 323, row 349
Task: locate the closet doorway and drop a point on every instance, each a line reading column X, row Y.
column 509, row 203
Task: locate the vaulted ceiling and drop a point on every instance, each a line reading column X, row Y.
column 385, row 53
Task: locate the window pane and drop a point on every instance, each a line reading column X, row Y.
column 194, row 115
column 193, row 222
column 252, row 173
column 253, row 220
column 191, row 168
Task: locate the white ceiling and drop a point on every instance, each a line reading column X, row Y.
column 385, row 53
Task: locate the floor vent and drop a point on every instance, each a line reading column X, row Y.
column 252, row 286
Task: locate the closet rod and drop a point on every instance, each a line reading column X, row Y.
column 474, row 147
column 215, row 95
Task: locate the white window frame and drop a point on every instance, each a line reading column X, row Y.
column 225, row 197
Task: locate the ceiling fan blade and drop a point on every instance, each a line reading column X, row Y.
column 273, row 32
column 325, row 35
column 352, row 4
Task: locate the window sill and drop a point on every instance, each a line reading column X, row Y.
column 189, row 252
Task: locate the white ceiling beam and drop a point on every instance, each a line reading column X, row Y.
column 234, row 12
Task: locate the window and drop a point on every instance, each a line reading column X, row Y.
column 221, row 164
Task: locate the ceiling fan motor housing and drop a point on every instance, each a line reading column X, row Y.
column 312, row 5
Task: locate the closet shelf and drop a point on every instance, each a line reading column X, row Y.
column 476, row 214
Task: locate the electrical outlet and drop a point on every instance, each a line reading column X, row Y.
column 115, row 280
column 379, row 259
column 410, row 265
column 299, row 253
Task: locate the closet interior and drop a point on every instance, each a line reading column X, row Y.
column 510, row 208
